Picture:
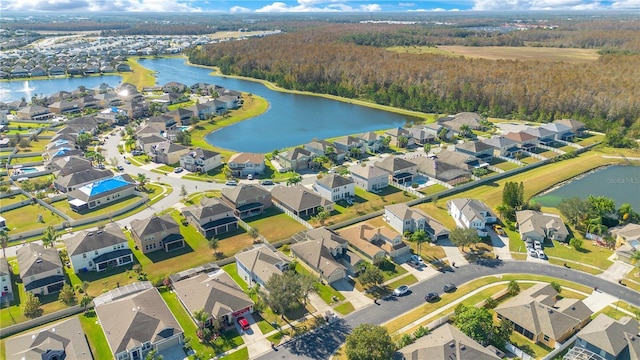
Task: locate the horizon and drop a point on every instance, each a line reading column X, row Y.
column 312, row 6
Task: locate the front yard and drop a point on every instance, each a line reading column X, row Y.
column 591, row 254
column 95, row 336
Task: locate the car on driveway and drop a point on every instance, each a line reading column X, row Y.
column 532, row 253
column 416, row 258
column 266, row 182
column 432, row 297
column 120, row 167
column 401, row 290
column 231, row 183
column 498, row 229
column 243, row 322
column 540, row 254
column 178, row 170
column 414, row 264
column 450, row 287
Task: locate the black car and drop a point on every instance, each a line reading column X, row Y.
column 432, row 297
column 266, row 182
column 449, row 287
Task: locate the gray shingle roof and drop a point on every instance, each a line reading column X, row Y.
column 83, row 177
column 4, row 267
column 298, row 197
column 142, row 316
column 86, row 241
column 34, row 259
column 154, row 225
column 393, row 164
column 216, row 293
column 208, row 207
column 244, row 192
column 261, row 261
column 333, row 181
column 66, row 336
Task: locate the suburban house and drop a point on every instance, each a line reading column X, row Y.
column 78, row 179
column 577, row 127
column 258, row 263
column 539, row 226
column 64, row 107
column 455, row 122
column 471, row 213
column 69, row 165
column 396, row 133
column 369, row 178
column 560, row 131
column 167, row 152
column 247, row 199
column 174, row 87
column 422, row 134
column 163, row 122
column 40, row 269
column 524, row 140
column 375, row 243
column 372, row 142
column 148, row 141
column 34, row 112
column 243, row 164
column 349, row 144
column 101, row 192
column 181, row 116
column 334, row 187
column 202, row 111
column 460, row 160
column 211, row 217
column 137, row 322
column 537, row 314
column 403, row 218
column 627, row 241
column 156, row 233
column 503, row 146
column 433, row 168
column 401, row 171
column 56, row 341
column 6, row 289
column 200, row 160
column 321, row 148
column 544, row 136
column 99, row 250
column 476, row 149
column 446, row 343
column 605, row 338
column 300, row 200
column 216, row 293
column 295, row 159
column 326, row 253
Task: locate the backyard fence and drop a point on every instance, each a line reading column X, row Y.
column 20, row 327
column 294, row 216
column 517, row 352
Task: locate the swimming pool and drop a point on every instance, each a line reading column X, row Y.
column 28, row 170
column 183, row 128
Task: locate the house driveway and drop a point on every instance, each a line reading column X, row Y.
column 173, row 353
column 500, row 245
column 599, row 300
column 453, row 253
column 355, row 297
column 617, row 271
column 253, row 338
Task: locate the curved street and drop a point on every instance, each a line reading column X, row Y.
column 320, row 344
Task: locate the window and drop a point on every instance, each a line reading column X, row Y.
column 546, row 338
column 84, row 256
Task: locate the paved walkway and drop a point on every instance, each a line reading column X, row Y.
column 254, row 340
column 500, row 245
column 357, row 299
column 453, row 253
column 599, row 300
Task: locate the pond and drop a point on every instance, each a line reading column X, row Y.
column 620, row 183
column 291, row 119
column 14, row 90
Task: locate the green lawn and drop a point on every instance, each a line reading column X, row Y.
column 264, row 325
column 405, row 280
column 433, row 189
column 366, row 202
column 506, row 165
column 529, row 160
column 63, row 206
column 344, row 308
column 99, row 282
column 275, row 225
column 576, row 266
column 242, row 354
column 93, row 331
column 16, row 198
column 227, row 341
column 24, row 218
column 325, row 292
column 232, row 270
column 23, row 160
column 528, row 346
column 588, row 140
column 591, row 254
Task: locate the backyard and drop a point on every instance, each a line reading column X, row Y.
column 25, row 218
column 275, row 225
column 366, row 202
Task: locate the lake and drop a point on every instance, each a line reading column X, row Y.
column 620, row 183
column 291, row 119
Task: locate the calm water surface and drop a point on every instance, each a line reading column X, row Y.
column 290, row 120
column 620, row 183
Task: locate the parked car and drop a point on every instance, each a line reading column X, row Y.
column 231, row 183
column 414, row 264
column 120, row 167
column 244, row 324
column 532, row 252
column 432, row 297
column 450, row 287
column 537, row 245
column 401, row 290
column 250, row 177
column 178, row 170
column 528, row 243
column 416, row 258
column 136, row 152
column 266, row 182
column 498, row 229
column 127, row 162
column 541, row 254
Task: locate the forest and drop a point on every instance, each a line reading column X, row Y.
column 350, row 60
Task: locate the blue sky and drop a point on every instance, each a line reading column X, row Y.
column 280, row 6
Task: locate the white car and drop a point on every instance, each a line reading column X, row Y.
column 541, row 254
column 231, row 183
column 532, row 252
column 416, row 258
column 401, row 290
column 537, row 245
column 250, row 177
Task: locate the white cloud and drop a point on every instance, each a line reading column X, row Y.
column 436, row 9
column 409, row 4
column 100, row 5
column 239, row 9
column 318, row 6
column 626, row 4
column 491, row 5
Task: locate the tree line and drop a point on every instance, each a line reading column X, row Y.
column 603, row 93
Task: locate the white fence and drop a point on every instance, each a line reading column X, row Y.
column 519, row 353
column 293, row 216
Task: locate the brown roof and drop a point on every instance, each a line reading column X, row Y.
column 360, row 237
column 261, row 261
column 246, row 157
column 521, row 137
column 298, row 197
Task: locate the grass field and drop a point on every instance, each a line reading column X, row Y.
column 366, row 202
column 275, row 225
column 139, row 76
column 571, row 55
column 24, row 218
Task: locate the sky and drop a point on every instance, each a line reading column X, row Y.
column 301, row 6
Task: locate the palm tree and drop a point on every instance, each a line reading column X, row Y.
column 513, row 288
column 50, row 236
column 595, row 226
column 419, row 236
column 142, row 179
column 465, row 130
column 129, row 143
column 201, row 317
column 254, row 233
column 635, row 258
column 99, row 158
column 4, row 241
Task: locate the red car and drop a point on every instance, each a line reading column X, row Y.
column 244, row 324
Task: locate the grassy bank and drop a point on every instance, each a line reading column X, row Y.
column 139, row 76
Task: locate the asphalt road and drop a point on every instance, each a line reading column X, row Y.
column 322, row 343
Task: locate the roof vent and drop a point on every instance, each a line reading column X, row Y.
column 462, row 347
column 452, row 344
column 38, row 261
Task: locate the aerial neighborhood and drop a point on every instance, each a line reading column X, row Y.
column 127, row 235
